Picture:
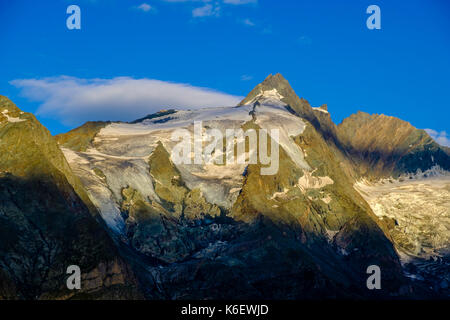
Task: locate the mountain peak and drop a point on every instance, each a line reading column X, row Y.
column 299, row 106
column 277, row 82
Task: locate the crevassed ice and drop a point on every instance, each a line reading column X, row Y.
column 421, row 208
column 121, row 151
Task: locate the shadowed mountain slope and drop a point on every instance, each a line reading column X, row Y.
column 47, row 221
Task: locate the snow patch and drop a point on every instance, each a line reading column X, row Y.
column 97, row 190
column 275, row 117
column 330, row 234
column 320, row 109
column 11, row 119
column 233, row 190
column 267, row 96
column 327, row 199
column 308, row 181
column 281, row 194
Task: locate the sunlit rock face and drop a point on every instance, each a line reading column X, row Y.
column 382, row 146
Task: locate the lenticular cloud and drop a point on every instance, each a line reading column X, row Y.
column 74, row 101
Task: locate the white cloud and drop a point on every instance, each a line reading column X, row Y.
column 440, row 137
column 248, row 22
column 74, row 101
column 145, row 7
column 239, row 2
column 208, row 10
column 211, row 8
column 246, row 77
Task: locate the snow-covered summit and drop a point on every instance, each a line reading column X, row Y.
column 267, row 97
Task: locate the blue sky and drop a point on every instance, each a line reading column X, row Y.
column 131, row 57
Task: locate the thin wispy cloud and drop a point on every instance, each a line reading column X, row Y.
column 208, row 10
column 211, row 8
column 440, row 137
column 257, row 26
column 246, row 77
column 145, row 7
column 239, row 2
column 73, row 100
column 248, row 22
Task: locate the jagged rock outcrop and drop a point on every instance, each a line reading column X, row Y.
column 299, row 106
column 319, row 117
